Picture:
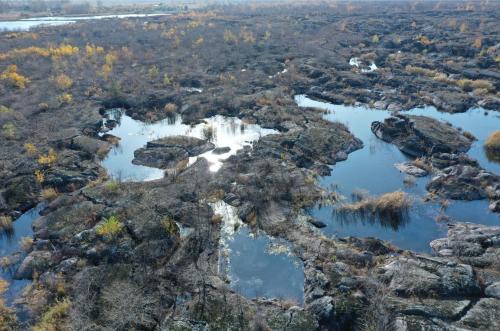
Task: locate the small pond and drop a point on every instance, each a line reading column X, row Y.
column 372, row 169
column 228, row 132
column 256, row 264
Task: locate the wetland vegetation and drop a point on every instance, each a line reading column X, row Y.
column 253, row 166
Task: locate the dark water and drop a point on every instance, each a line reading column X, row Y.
column 10, row 245
column 372, row 169
column 228, row 132
column 257, row 265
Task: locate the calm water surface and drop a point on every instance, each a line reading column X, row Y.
column 372, row 169
column 228, row 132
column 256, row 264
column 9, row 245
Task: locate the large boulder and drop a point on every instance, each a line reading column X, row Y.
column 322, row 141
column 429, row 277
column 169, row 151
column 90, row 145
column 421, row 135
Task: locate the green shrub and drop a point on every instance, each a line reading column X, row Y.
column 170, row 226
column 112, row 187
column 110, row 228
column 9, row 131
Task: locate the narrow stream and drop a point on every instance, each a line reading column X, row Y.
column 10, row 248
column 372, row 169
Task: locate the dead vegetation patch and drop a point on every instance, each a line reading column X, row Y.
column 392, row 206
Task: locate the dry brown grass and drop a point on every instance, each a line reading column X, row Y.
column 170, row 109
column 421, row 71
column 49, row 194
column 492, row 146
column 6, row 224
column 7, row 317
column 393, row 205
column 26, row 243
column 422, row 164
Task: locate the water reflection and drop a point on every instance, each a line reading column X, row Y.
column 257, row 265
column 221, row 130
column 372, row 168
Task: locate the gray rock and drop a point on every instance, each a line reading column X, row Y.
column 323, row 308
column 36, row 261
column 394, row 107
column 475, row 244
column 425, row 277
column 380, row 105
column 495, row 206
column 221, row 150
column 246, row 212
column 414, row 323
column 169, row 151
column 485, row 315
column 493, row 290
column 66, row 265
column 420, row 135
column 411, row 169
column 459, row 177
column 232, row 199
column 316, row 223
column 160, row 157
column 431, row 308
column 90, row 145
column 193, row 146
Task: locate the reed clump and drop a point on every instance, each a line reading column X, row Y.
column 392, row 205
column 492, row 146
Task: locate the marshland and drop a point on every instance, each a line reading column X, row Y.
column 274, row 165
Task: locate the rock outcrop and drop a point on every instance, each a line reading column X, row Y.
column 459, row 177
column 169, row 151
column 421, row 135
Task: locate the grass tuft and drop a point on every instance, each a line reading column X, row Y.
column 110, row 228
column 391, row 208
column 53, row 318
column 49, row 194
column 6, row 224
column 492, row 146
